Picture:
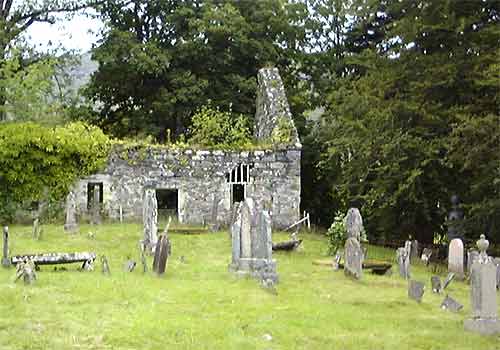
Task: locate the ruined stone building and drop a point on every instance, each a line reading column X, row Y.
column 195, row 184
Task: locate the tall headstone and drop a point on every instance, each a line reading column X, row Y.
column 162, row 252
column 5, row 257
column 403, row 259
column 472, row 255
column 353, row 258
column 150, row 219
column 71, row 223
column 456, row 258
column 415, row 249
column 483, row 294
column 252, row 244
column 36, row 229
column 96, row 206
column 353, row 224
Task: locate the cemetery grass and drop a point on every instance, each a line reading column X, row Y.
column 198, row 304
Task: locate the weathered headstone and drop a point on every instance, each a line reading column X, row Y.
column 354, row 224
column 36, row 230
column 353, row 258
column 5, row 257
column 416, row 290
column 71, row 223
column 472, row 255
column 96, row 206
column 426, row 255
column 451, row 304
column 436, row 284
column 414, row 251
column 26, row 269
column 105, row 265
column 449, row 278
column 456, row 258
column 403, row 259
column 252, row 244
column 150, row 219
column 483, row 294
column 162, row 252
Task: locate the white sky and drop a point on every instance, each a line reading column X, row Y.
column 78, row 33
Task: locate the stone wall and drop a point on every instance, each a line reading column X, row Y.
column 199, row 176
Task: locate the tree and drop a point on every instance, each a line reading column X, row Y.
column 161, row 60
column 17, row 16
column 420, row 95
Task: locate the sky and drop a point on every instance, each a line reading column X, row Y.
column 78, row 33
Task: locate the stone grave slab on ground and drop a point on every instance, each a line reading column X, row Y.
column 451, row 304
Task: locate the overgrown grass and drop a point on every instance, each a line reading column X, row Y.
column 198, row 304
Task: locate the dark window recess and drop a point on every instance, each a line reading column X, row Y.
column 168, row 201
column 90, row 193
column 238, row 193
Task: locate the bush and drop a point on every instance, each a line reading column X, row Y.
column 336, row 234
column 211, row 128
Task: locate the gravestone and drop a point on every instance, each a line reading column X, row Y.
column 143, row 260
column 5, row 256
column 403, row 259
column 448, row 280
column 416, row 290
column 353, row 258
column 96, row 206
column 26, row 269
column 354, row 224
column 252, row 244
column 484, row 307
column 36, row 230
column 436, row 284
column 456, row 258
column 162, row 253
column 414, row 251
column 426, row 255
column 105, row 265
column 451, row 304
column 496, row 261
column 150, row 219
column 472, row 255
column 71, row 223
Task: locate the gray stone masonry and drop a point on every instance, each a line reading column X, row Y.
column 200, row 176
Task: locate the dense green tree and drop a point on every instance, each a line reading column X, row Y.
column 420, row 95
column 161, row 60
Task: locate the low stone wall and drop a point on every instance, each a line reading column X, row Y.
column 199, row 176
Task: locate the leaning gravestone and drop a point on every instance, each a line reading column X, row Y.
column 252, row 244
column 5, row 257
column 354, row 224
column 451, row 304
column 162, row 252
column 483, row 294
column 456, row 258
column 353, row 258
column 71, row 224
column 150, row 219
column 416, row 290
column 403, row 259
column 448, row 280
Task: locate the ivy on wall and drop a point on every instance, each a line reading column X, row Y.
column 37, row 161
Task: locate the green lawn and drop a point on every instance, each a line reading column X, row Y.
column 198, row 304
